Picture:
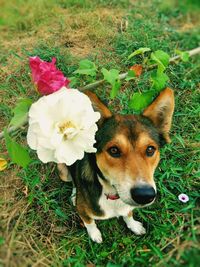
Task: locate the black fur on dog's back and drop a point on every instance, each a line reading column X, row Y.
column 84, row 174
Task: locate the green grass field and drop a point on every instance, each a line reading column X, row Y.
column 38, row 224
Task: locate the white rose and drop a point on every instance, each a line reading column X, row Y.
column 62, row 126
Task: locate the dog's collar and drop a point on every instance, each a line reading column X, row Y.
column 108, row 196
column 112, row 197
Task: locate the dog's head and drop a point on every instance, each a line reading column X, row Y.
column 128, row 147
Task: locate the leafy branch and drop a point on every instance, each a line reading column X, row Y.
column 122, row 76
column 157, row 62
column 93, row 85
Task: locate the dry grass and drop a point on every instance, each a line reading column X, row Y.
column 81, row 34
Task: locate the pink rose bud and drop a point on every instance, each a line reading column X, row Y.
column 47, row 78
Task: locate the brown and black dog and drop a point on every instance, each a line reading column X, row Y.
column 119, row 177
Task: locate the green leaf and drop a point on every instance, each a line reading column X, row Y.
column 130, row 75
column 21, row 112
column 139, row 51
column 60, row 213
column 161, row 58
column 17, row 153
column 159, row 80
column 110, row 264
column 115, row 89
column 34, row 182
column 110, row 75
column 86, row 67
column 140, row 101
column 73, row 81
column 184, row 55
column 2, row 240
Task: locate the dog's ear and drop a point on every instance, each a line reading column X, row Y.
column 160, row 112
column 99, row 106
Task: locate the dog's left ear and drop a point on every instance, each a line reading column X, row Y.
column 99, row 106
column 160, row 112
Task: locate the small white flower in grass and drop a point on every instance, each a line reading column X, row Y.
column 183, row 198
column 62, row 126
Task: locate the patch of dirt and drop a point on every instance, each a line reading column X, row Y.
column 79, row 34
column 186, row 23
column 91, row 31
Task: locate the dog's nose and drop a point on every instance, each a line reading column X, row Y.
column 143, row 194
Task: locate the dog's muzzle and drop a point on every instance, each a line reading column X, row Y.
column 144, row 194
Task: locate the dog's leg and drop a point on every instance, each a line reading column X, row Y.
column 64, row 172
column 135, row 226
column 93, row 231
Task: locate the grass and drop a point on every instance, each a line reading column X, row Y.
column 38, row 224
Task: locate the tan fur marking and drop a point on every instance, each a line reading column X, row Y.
column 86, row 172
column 130, row 214
column 133, row 164
column 83, row 209
column 63, row 172
column 120, row 141
column 144, row 140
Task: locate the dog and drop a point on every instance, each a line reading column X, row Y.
column 119, row 176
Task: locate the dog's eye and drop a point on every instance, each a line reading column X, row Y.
column 114, row 152
column 150, row 151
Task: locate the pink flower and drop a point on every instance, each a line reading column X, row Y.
column 47, row 78
column 183, row 198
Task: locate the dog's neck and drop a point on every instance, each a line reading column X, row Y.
column 108, row 190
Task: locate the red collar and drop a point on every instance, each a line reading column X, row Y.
column 112, row 197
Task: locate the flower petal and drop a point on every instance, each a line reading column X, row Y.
column 46, row 155
column 47, row 78
column 32, row 135
column 68, row 153
column 183, row 198
column 34, row 63
column 3, row 164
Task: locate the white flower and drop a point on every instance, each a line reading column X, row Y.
column 62, row 126
column 183, row 198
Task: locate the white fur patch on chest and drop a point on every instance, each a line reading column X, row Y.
column 112, row 208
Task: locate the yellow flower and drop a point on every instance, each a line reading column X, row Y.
column 3, row 164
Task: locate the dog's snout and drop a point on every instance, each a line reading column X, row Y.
column 143, row 194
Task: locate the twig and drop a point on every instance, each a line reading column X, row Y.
column 13, row 128
column 97, row 83
column 94, row 85
column 122, row 76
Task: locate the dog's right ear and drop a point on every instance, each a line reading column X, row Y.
column 98, row 106
column 160, row 112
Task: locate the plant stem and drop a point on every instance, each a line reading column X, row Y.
column 13, row 128
column 172, row 60
column 122, row 76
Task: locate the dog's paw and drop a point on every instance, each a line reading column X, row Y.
column 64, row 172
column 95, row 235
column 137, row 228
